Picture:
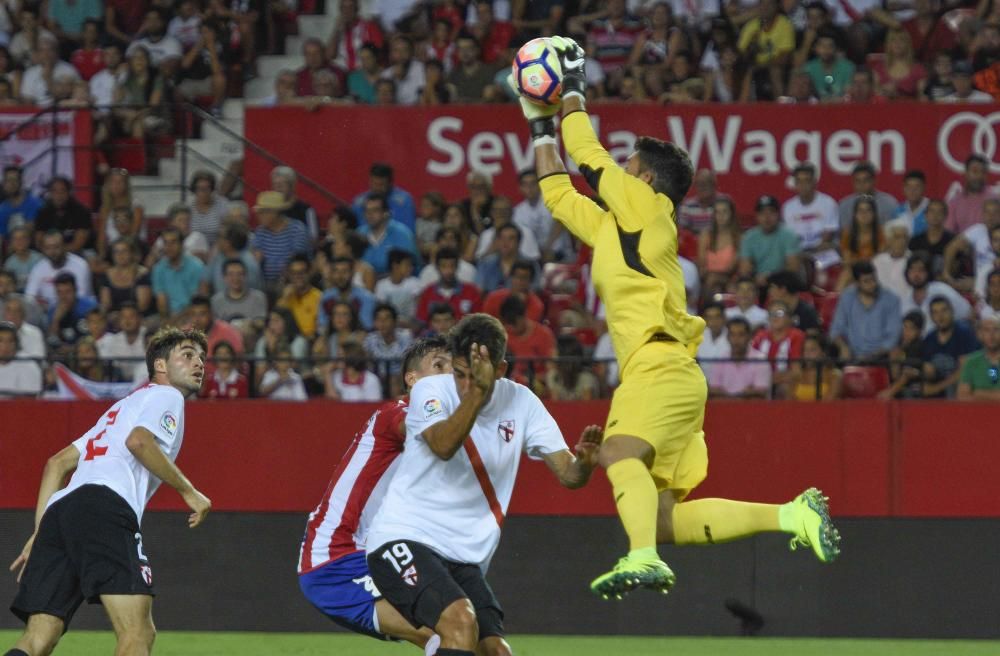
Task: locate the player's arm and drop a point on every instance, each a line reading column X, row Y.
column 445, row 438
column 141, row 443
column 53, row 477
column 573, row 470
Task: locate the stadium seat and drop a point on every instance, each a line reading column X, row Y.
column 864, row 382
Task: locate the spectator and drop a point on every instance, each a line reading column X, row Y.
column 478, row 205
column 363, row 80
column 925, row 27
column 899, row 75
column 400, row 288
column 353, row 382
column 867, row 322
column 769, row 246
column 84, row 361
column 531, row 215
column 923, row 288
column 830, row 71
column 216, row 330
column 522, row 276
column 18, row 378
column 30, row 339
column 529, row 344
column 696, row 212
column 226, row 382
column 21, row 258
column 613, row 38
column 67, row 316
column 407, row 73
column 385, row 91
column 280, row 327
column 913, row 209
column 811, row 214
column 164, row 50
column 817, row 377
column 963, row 90
column 237, row 303
column 315, row 61
column 864, row 239
column 569, row 380
column 494, row 270
column 351, row 35
column 863, row 180
column 494, row 36
column 715, row 342
column 208, row 208
column 27, row 43
column 125, row 280
column 746, row 375
column 36, row 85
column 935, row 239
column 129, row 343
column 768, row 40
column 41, row 279
column 657, row 46
column 383, row 233
column 966, row 207
column 116, row 194
column 940, row 83
column 441, row 48
column 281, row 382
column 786, row 286
column 429, row 221
column 862, row 89
column 974, row 241
column 979, row 379
column 448, row 238
column 202, row 72
column 232, row 244
column 381, row 183
column 96, row 323
column 64, row 213
column 386, row 344
column 342, row 289
column 905, row 360
column 462, row 297
column 501, row 214
column 890, row 264
column 300, row 297
column 103, row 84
column 195, row 243
column 944, row 349
column 781, row 342
column 442, row 319
column 141, row 96
column 176, row 276
column 718, row 247
column 278, row 238
column 283, row 180
column 471, row 77
column 989, row 305
column 19, row 206
column 186, row 23
column 746, row 305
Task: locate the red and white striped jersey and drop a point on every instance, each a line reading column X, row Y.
column 339, row 524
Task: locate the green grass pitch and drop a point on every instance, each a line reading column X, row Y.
column 175, row 643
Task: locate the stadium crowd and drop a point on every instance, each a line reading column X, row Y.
column 298, row 305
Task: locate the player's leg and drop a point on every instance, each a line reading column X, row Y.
column 40, row 636
column 489, row 612
column 493, row 646
column 131, row 617
column 394, row 625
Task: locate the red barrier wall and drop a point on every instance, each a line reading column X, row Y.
column 873, row 459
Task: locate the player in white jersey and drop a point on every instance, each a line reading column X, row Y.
column 439, row 524
column 87, row 543
column 333, row 574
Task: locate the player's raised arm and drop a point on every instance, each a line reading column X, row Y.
column 141, row 443
column 573, row 471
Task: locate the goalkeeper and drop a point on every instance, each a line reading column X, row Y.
column 654, row 448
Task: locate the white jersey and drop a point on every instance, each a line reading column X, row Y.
column 810, row 221
column 456, row 507
column 104, row 458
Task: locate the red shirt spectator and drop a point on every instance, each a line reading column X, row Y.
column 229, row 385
column 780, row 341
column 88, row 63
column 494, row 36
column 352, row 32
column 463, row 298
column 123, row 18
column 526, row 339
column 522, row 274
column 614, row 37
column 315, row 59
column 449, row 12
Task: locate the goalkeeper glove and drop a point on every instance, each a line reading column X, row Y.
column 540, row 118
column 571, row 59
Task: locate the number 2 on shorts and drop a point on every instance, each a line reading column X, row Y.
column 399, row 555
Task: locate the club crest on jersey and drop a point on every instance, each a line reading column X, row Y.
column 168, row 422
column 432, row 408
column 506, row 430
column 147, row 574
column 410, row 575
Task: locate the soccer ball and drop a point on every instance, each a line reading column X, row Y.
column 537, row 72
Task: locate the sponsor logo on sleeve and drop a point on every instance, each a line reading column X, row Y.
column 168, row 422
column 432, row 408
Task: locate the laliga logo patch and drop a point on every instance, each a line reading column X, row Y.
column 410, row 575
column 506, row 430
column 168, row 422
column 147, row 574
column 432, row 407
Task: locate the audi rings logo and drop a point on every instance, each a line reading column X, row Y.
column 976, row 133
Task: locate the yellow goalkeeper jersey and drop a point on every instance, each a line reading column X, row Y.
column 635, row 267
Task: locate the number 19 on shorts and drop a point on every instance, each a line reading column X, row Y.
column 401, row 559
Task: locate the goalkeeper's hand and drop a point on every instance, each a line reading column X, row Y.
column 571, row 60
column 540, row 117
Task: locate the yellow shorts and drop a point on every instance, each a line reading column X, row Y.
column 661, row 400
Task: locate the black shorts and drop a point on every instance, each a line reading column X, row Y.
column 420, row 584
column 88, row 545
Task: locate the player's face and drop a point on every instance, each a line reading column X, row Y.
column 186, row 367
column 432, row 364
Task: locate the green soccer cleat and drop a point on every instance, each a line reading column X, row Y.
column 814, row 527
column 633, row 572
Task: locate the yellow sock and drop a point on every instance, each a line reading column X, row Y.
column 637, row 501
column 710, row 521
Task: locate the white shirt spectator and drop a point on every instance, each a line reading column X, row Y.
column 368, row 389
column 755, row 315
column 891, row 272
column 41, row 280
column 692, row 283
column 528, row 249
column 960, row 306
column 102, row 88
column 21, row 48
column 34, row 87
column 466, row 273
column 31, row 341
column 408, row 89
column 116, row 345
column 735, row 378
column 20, row 378
column 402, row 295
column 166, row 48
column 605, row 352
column 811, row 221
column 538, row 220
column 292, row 390
column 194, row 244
column 979, row 238
column 713, row 348
column 185, row 30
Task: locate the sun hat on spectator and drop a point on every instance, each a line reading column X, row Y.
column 270, row 200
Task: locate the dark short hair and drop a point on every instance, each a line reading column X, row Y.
column 941, row 299
column 512, row 309
column 13, row 168
column 234, row 261
column 713, row 305
column 915, row 174
column 862, row 268
column 481, row 329
column 995, row 273
column 354, row 355
column 172, row 230
column 738, row 321
column 864, row 166
column 397, row 255
column 342, row 260
column 523, row 265
column 347, row 215
column 381, row 170
column 385, row 307
column 441, row 308
column 786, row 280
column 299, row 258
column 916, row 317
column 920, row 257
column 65, row 279
column 416, row 351
column 199, row 299
column 511, row 226
column 127, row 305
column 162, row 344
column 236, row 234
column 356, row 243
column 976, row 158
column 379, row 198
column 222, row 344
column 938, row 201
column 804, row 167
column 523, row 173
column 445, row 254
column 671, row 167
